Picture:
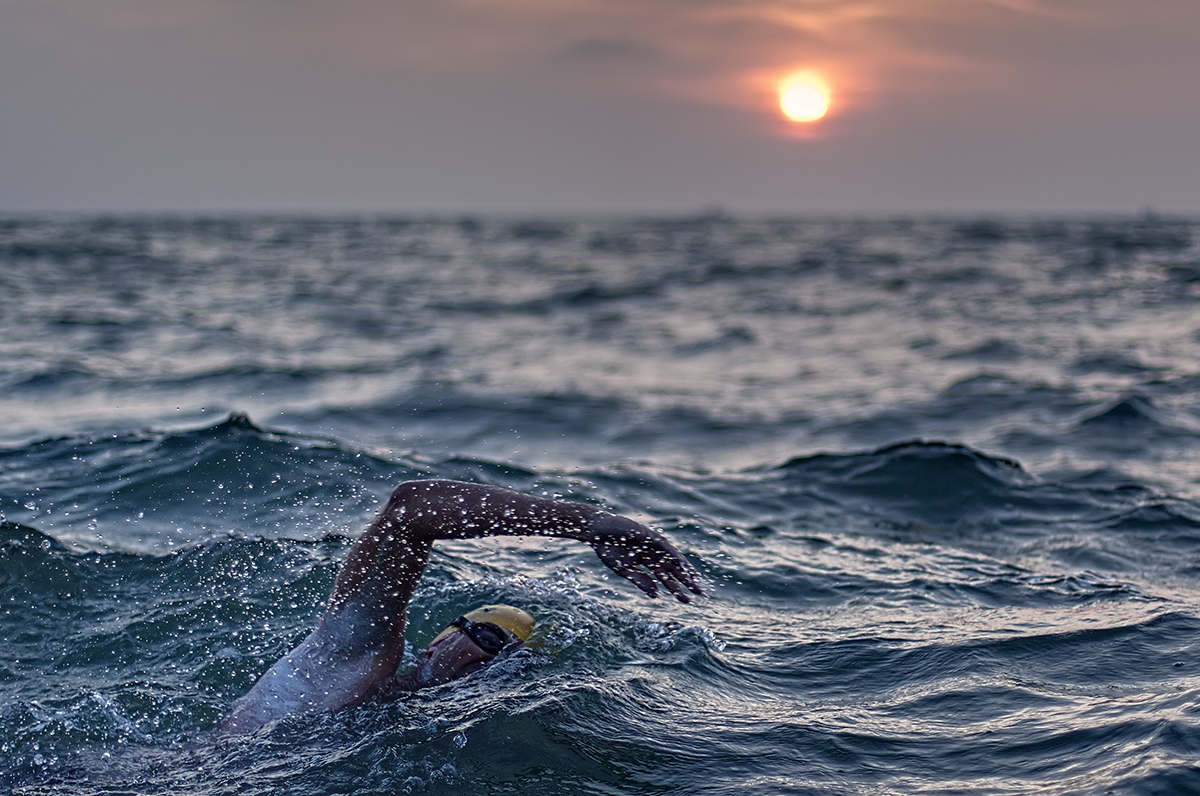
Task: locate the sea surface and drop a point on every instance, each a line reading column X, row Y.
column 941, row 476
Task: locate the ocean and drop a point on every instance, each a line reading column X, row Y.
column 940, row 475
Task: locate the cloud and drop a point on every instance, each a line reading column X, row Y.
column 692, row 48
column 452, row 100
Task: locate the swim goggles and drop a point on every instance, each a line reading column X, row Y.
column 489, row 637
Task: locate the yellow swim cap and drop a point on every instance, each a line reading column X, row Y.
column 512, row 619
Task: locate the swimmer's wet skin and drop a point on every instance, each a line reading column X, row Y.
column 468, row 644
column 352, row 655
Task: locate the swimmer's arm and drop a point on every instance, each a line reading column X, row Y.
column 353, row 652
column 392, row 554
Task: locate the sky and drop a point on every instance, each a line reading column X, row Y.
column 576, row 106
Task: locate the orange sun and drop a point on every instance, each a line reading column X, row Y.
column 803, row 97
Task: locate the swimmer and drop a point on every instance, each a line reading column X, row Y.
column 352, row 655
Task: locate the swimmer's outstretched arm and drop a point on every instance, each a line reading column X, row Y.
column 421, row 512
column 353, row 653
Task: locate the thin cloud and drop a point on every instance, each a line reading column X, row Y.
column 708, row 52
column 686, row 37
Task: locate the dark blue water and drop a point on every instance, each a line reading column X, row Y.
column 941, row 476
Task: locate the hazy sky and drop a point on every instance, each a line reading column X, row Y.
column 610, row 105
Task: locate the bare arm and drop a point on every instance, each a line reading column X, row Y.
column 355, row 649
column 388, row 560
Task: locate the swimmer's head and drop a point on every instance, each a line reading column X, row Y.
column 517, row 622
column 471, row 642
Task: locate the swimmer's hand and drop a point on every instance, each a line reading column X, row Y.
column 642, row 556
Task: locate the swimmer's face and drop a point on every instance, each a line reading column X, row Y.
column 456, row 655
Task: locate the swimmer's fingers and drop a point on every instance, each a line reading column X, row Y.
column 682, row 573
column 678, row 577
column 632, row 550
column 619, row 561
column 640, row 579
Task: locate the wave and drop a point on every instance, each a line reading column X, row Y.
column 922, row 598
column 236, row 477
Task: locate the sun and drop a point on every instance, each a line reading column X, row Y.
column 803, row 97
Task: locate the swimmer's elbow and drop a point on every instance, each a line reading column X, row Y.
column 412, row 492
